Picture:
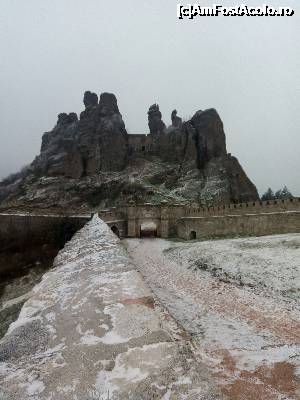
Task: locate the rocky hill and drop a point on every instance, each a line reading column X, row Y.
column 93, row 162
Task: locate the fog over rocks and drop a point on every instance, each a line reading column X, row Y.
column 93, row 161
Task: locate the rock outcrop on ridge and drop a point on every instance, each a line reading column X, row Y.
column 98, row 141
column 92, row 161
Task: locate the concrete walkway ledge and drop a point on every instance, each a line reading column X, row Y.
column 91, row 330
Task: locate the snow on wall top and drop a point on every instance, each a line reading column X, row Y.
column 91, row 329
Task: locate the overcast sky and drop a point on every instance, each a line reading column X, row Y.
column 248, row 68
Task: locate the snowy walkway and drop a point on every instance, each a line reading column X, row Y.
column 91, row 330
column 248, row 339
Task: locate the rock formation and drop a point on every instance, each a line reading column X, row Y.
column 155, row 122
column 94, row 161
column 176, row 121
column 96, row 142
column 90, row 99
column 102, row 137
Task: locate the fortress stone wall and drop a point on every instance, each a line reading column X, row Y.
column 292, row 204
column 137, row 143
column 239, row 225
column 26, row 238
column 42, row 228
column 184, row 221
column 130, row 219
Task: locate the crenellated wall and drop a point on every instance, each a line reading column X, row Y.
column 245, row 219
column 239, row 225
column 20, row 231
column 292, row 204
column 253, row 218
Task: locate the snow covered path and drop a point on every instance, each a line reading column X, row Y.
column 249, row 339
column 92, row 330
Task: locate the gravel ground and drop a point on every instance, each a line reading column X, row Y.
column 239, row 300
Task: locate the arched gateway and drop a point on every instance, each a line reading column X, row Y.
column 148, row 229
column 193, row 222
column 115, row 230
column 192, row 235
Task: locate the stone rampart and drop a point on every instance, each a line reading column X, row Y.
column 257, row 207
column 26, row 239
column 92, row 330
column 252, row 218
column 255, row 224
column 38, row 228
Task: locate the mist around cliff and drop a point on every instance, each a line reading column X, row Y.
column 247, row 68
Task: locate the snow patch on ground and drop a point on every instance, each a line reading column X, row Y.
column 267, row 263
column 242, row 332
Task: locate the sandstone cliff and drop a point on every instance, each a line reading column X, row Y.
column 93, row 162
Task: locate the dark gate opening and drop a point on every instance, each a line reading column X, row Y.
column 115, row 230
column 148, row 230
column 193, row 235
